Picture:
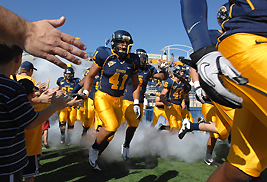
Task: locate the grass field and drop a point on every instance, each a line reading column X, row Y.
column 68, row 163
column 154, row 156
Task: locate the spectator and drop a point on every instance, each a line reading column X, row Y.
column 45, row 127
column 13, row 118
column 26, row 71
column 33, row 137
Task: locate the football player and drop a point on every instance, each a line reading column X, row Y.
column 89, row 111
column 144, row 74
column 187, row 87
column 115, row 66
column 241, row 49
column 66, row 84
column 172, row 96
column 216, row 122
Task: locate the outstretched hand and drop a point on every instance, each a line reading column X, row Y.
column 60, row 102
column 43, row 40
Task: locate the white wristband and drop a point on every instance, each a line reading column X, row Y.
column 196, row 84
column 85, row 92
column 136, row 101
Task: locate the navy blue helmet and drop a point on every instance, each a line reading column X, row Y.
column 69, row 70
column 143, row 56
column 117, row 37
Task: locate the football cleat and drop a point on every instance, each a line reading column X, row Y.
column 62, row 139
column 184, row 129
column 68, row 141
column 47, row 146
column 95, row 168
column 160, row 126
column 210, row 162
column 93, row 156
column 125, row 152
column 84, row 133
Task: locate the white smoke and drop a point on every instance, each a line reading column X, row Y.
column 149, row 141
column 146, row 141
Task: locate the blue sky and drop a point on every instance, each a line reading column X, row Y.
column 152, row 24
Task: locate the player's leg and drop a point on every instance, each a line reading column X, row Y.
column 248, row 151
column 187, row 114
column 157, row 112
column 156, row 116
column 166, row 126
column 210, row 147
column 133, row 123
column 105, row 143
column 109, row 111
column 179, row 117
column 89, row 115
column 62, row 114
column 209, row 114
column 218, row 121
column 71, row 121
column 80, row 113
column 248, row 142
column 173, row 117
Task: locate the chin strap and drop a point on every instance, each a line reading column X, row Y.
column 129, row 48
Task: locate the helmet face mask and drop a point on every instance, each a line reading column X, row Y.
column 143, row 57
column 176, row 73
column 143, row 61
column 182, row 72
column 121, row 42
column 121, row 46
column 69, row 73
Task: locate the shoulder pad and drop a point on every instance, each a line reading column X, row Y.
column 60, row 78
column 104, row 50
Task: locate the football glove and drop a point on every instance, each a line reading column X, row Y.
column 78, row 95
column 201, row 95
column 209, row 64
column 137, row 111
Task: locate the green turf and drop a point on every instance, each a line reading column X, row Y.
column 69, row 164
